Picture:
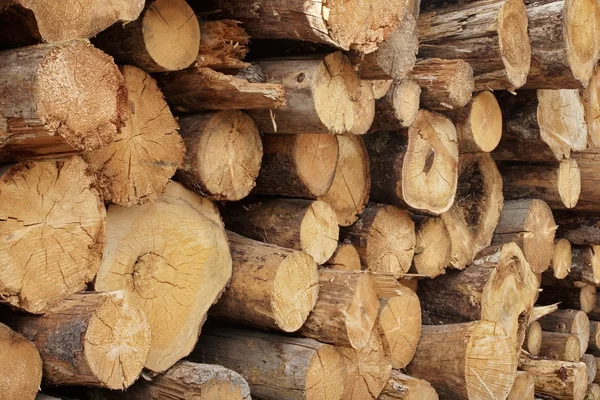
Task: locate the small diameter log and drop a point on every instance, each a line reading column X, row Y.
column 445, row 84
column 91, row 339
column 594, row 343
column 52, row 228
column 478, row 124
column 565, row 44
column 433, row 248
column 323, row 95
column 530, row 224
column 562, row 380
column 223, row 154
column 591, row 103
column 384, row 237
column 200, row 89
column 271, row 287
column 223, row 45
column 381, row 87
column 137, row 165
column 276, row 367
column 399, row 326
column 474, row 360
column 404, row 387
column 166, row 37
column 523, row 388
column 492, row 38
column 351, row 186
column 542, row 125
column 533, row 339
column 569, row 321
column 298, row 165
column 398, row 108
column 579, row 228
column 560, row 346
column 591, row 364
column 562, row 258
column 310, row 226
column 172, row 283
column 344, row 258
column 58, row 100
column 20, row 366
column 418, row 167
column 476, row 210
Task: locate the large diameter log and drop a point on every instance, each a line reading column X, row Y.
column 351, row 186
column 499, row 286
column 345, row 258
column 310, row 226
column 433, row 248
column 276, row 367
column 492, row 38
column 564, row 43
column 569, row 321
column 418, row 167
column 579, row 228
column 223, row 154
column 530, row 224
column 476, row 210
column 92, row 339
column 562, row 259
column 137, row 165
column 172, row 283
column 533, row 339
column 562, row 380
column 560, row 346
column 474, row 360
column 166, row 37
column 298, row 165
column 271, row 287
column 399, row 107
column 591, row 364
column 323, row 95
column 404, row 387
column 20, row 366
column 385, row 239
column 59, row 99
column 223, row 45
column 52, row 227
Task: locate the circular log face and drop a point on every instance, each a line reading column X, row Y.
column 319, row 231
column 486, row 121
column 582, row 37
column 433, row 248
column 538, row 239
column 514, row 41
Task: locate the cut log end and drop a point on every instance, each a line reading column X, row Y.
column 325, row 375
column 582, row 29
column 561, row 259
column 485, row 122
column 446, row 84
column 569, row 182
column 587, row 298
column 523, row 388
column 319, row 231
column 461, row 87
column 345, row 258
column 514, row 41
column 316, row 158
column 21, row 369
column 433, row 248
column 538, row 241
column 405, row 101
column 533, row 339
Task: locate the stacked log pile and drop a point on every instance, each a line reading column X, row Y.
column 283, row 200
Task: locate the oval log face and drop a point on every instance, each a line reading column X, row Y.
column 514, row 41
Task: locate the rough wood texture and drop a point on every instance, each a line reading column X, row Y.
column 223, row 154
column 590, row 362
column 20, row 366
column 585, row 265
column 593, row 391
column 398, row 108
column 523, row 388
column 416, row 168
column 404, row 387
column 91, row 339
column 136, row 167
column 570, row 294
column 310, row 226
column 578, row 228
column 166, row 37
column 433, row 248
column 589, row 165
column 385, row 239
column 271, row 287
column 533, row 339
column 58, row 99
column 490, row 35
column 561, row 380
column 345, row 258
column 560, row 346
column 52, row 228
column 569, row 321
column 276, row 367
column 562, row 259
column 223, row 45
column 473, row 360
column 173, row 284
column 591, row 103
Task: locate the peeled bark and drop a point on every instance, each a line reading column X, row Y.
column 223, row 45
column 433, row 248
column 21, row 366
column 345, row 258
column 561, row 380
column 399, row 107
column 523, row 388
column 569, row 321
column 404, row 387
column 560, row 346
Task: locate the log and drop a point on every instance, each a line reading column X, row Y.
column 579, row 228
column 433, row 247
column 558, row 184
column 52, row 226
column 533, row 339
column 223, row 45
column 542, row 125
column 312, row 86
column 223, row 154
column 164, row 278
column 307, row 225
column 166, row 37
column 271, row 287
column 398, row 109
column 591, row 104
column 380, row 87
column 590, row 362
column 351, row 186
column 585, row 265
column 384, row 237
column 404, row 387
column 523, row 388
column 24, row 23
column 594, row 343
column 558, row 379
column 276, row 367
column 21, row 366
column 445, row 84
column 90, row 339
column 589, row 166
column 298, row 165
column 562, row 259
column 593, row 391
column 345, row 311
column 474, row 360
column 58, row 99
column 569, row 321
column 564, row 43
column 572, row 295
column 499, row 286
column 530, row 224
column 560, row 346
column 137, row 165
column 198, row 89
column 344, row 258
column 417, row 168
column 490, row 35
column 476, row 210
